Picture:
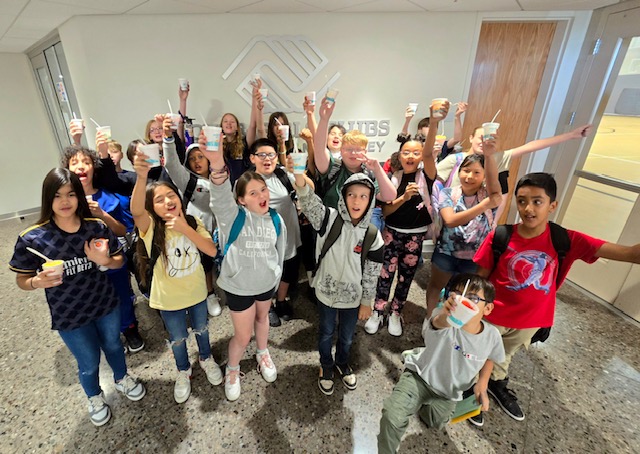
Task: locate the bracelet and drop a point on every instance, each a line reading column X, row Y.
column 31, row 283
column 282, row 152
column 224, row 169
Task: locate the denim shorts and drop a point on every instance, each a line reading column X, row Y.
column 450, row 264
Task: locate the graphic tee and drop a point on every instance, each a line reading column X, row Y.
column 86, row 294
column 525, row 277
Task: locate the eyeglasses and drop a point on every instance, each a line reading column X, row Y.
column 475, row 299
column 155, row 129
column 415, row 154
column 354, row 150
column 264, row 156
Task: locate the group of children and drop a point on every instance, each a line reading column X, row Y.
column 246, row 207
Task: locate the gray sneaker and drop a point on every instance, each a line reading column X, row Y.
column 99, row 411
column 131, row 388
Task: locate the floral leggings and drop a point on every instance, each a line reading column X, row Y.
column 401, row 253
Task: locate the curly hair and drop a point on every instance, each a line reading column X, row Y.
column 234, row 148
column 73, row 150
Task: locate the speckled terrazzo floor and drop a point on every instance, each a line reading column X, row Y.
column 580, row 390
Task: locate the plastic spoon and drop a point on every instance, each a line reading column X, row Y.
column 39, row 254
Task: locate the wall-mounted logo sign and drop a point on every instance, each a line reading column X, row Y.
column 288, row 65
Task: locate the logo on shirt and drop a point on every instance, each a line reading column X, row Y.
column 182, row 256
column 466, row 355
column 531, row 268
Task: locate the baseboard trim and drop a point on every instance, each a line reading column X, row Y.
column 19, row 214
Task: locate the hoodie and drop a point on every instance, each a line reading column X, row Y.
column 180, row 174
column 253, row 263
column 340, row 282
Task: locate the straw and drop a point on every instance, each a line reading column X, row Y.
column 466, row 286
column 74, row 116
column 144, row 141
column 170, row 109
column 95, row 122
column 203, row 120
column 39, row 254
column 276, row 118
column 496, row 115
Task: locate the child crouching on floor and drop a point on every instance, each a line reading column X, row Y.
column 437, row 376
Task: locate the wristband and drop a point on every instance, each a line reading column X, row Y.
column 31, row 283
column 282, row 152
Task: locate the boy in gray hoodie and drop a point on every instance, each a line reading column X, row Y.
column 345, row 288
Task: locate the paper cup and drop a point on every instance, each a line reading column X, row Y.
column 311, row 96
column 106, row 130
column 56, row 265
column 489, row 130
column 175, row 120
column 284, row 131
column 332, row 94
column 212, row 134
column 89, row 198
column 184, row 84
column 299, row 162
column 152, row 150
column 440, row 139
column 464, row 311
column 413, row 106
column 77, row 122
column 264, row 92
column 438, row 107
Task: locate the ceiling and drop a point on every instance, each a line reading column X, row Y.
column 25, row 22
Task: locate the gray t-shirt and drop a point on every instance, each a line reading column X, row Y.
column 280, row 201
column 452, row 358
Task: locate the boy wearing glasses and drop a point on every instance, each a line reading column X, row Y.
column 435, row 377
column 354, row 159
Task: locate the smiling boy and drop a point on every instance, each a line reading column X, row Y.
column 526, row 274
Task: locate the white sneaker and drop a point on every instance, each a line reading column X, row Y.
column 266, row 367
column 212, row 371
column 374, row 323
column 213, row 305
column 395, row 324
column 131, row 388
column 99, row 411
column 182, row 388
column 232, row 384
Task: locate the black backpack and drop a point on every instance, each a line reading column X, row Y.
column 281, row 173
column 324, row 184
column 562, row 245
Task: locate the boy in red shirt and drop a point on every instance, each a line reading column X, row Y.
column 525, row 276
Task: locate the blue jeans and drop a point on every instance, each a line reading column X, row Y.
column 176, row 324
column 121, row 283
column 85, row 344
column 377, row 219
column 347, row 319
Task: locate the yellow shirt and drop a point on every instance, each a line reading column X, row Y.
column 178, row 279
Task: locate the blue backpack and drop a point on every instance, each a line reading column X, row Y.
column 236, row 228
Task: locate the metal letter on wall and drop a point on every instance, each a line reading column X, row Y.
column 287, row 68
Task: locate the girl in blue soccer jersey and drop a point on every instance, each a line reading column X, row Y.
column 83, row 304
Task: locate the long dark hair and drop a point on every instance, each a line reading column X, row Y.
column 288, row 145
column 55, row 179
column 159, row 229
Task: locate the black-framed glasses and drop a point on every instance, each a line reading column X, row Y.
column 264, row 156
column 475, row 299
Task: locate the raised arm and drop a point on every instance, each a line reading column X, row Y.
column 178, row 172
column 491, row 167
column 310, row 109
column 256, row 124
column 427, row 150
column 457, row 124
column 322, row 155
column 541, row 144
column 619, row 252
column 183, row 95
column 307, row 136
column 388, row 191
column 138, row 196
column 408, row 116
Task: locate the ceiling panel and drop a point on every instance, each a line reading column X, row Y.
column 5, row 22
column 171, row 7
column 468, row 5
column 223, row 6
column 279, row 6
column 106, row 7
column 15, row 44
column 335, row 5
column 384, row 6
column 12, row 7
column 569, row 5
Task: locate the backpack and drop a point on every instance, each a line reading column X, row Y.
column 562, row 245
column 281, row 173
column 437, row 188
column 236, row 228
column 334, row 233
column 144, row 279
column 189, row 190
column 326, row 183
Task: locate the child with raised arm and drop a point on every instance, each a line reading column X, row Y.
column 344, row 281
column 170, row 241
column 84, row 305
column 527, row 275
column 437, row 375
column 254, row 241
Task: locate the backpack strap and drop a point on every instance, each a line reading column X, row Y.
column 369, row 238
column 454, row 170
column 236, row 227
column 275, row 218
column 188, row 192
column 501, row 238
column 332, row 236
column 281, row 173
column 562, row 244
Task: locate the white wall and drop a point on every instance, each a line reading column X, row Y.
column 28, row 150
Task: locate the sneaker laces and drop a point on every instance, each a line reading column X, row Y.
column 128, row 383
column 510, row 393
column 232, row 375
column 96, row 402
column 183, row 377
column 265, row 361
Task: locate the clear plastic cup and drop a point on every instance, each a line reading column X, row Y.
column 184, row 84
column 77, row 122
column 438, row 107
column 212, row 133
column 311, row 96
column 414, row 107
column 175, row 120
column 106, row 130
column 152, row 151
column 332, row 94
column 56, row 265
column 284, row 131
column 464, row 311
column 299, row 162
column 264, row 92
column 489, row 130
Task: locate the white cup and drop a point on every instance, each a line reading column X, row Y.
column 184, row 84
column 464, row 311
column 56, row 265
column 284, row 131
column 212, row 133
column 414, row 107
column 311, row 96
column 438, row 107
column 175, row 120
column 255, row 78
column 106, row 130
column 89, row 198
column 332, row 94
column 489, row 130
column 264, row 92
column 299, row 162
column 77, row 122
column 152, row 151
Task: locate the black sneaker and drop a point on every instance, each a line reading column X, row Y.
column 284, row 310
column 134, row 340
column 325, row 381
column 506, row 398
column 349, row 379
column 477, row 420
column 274, row 320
